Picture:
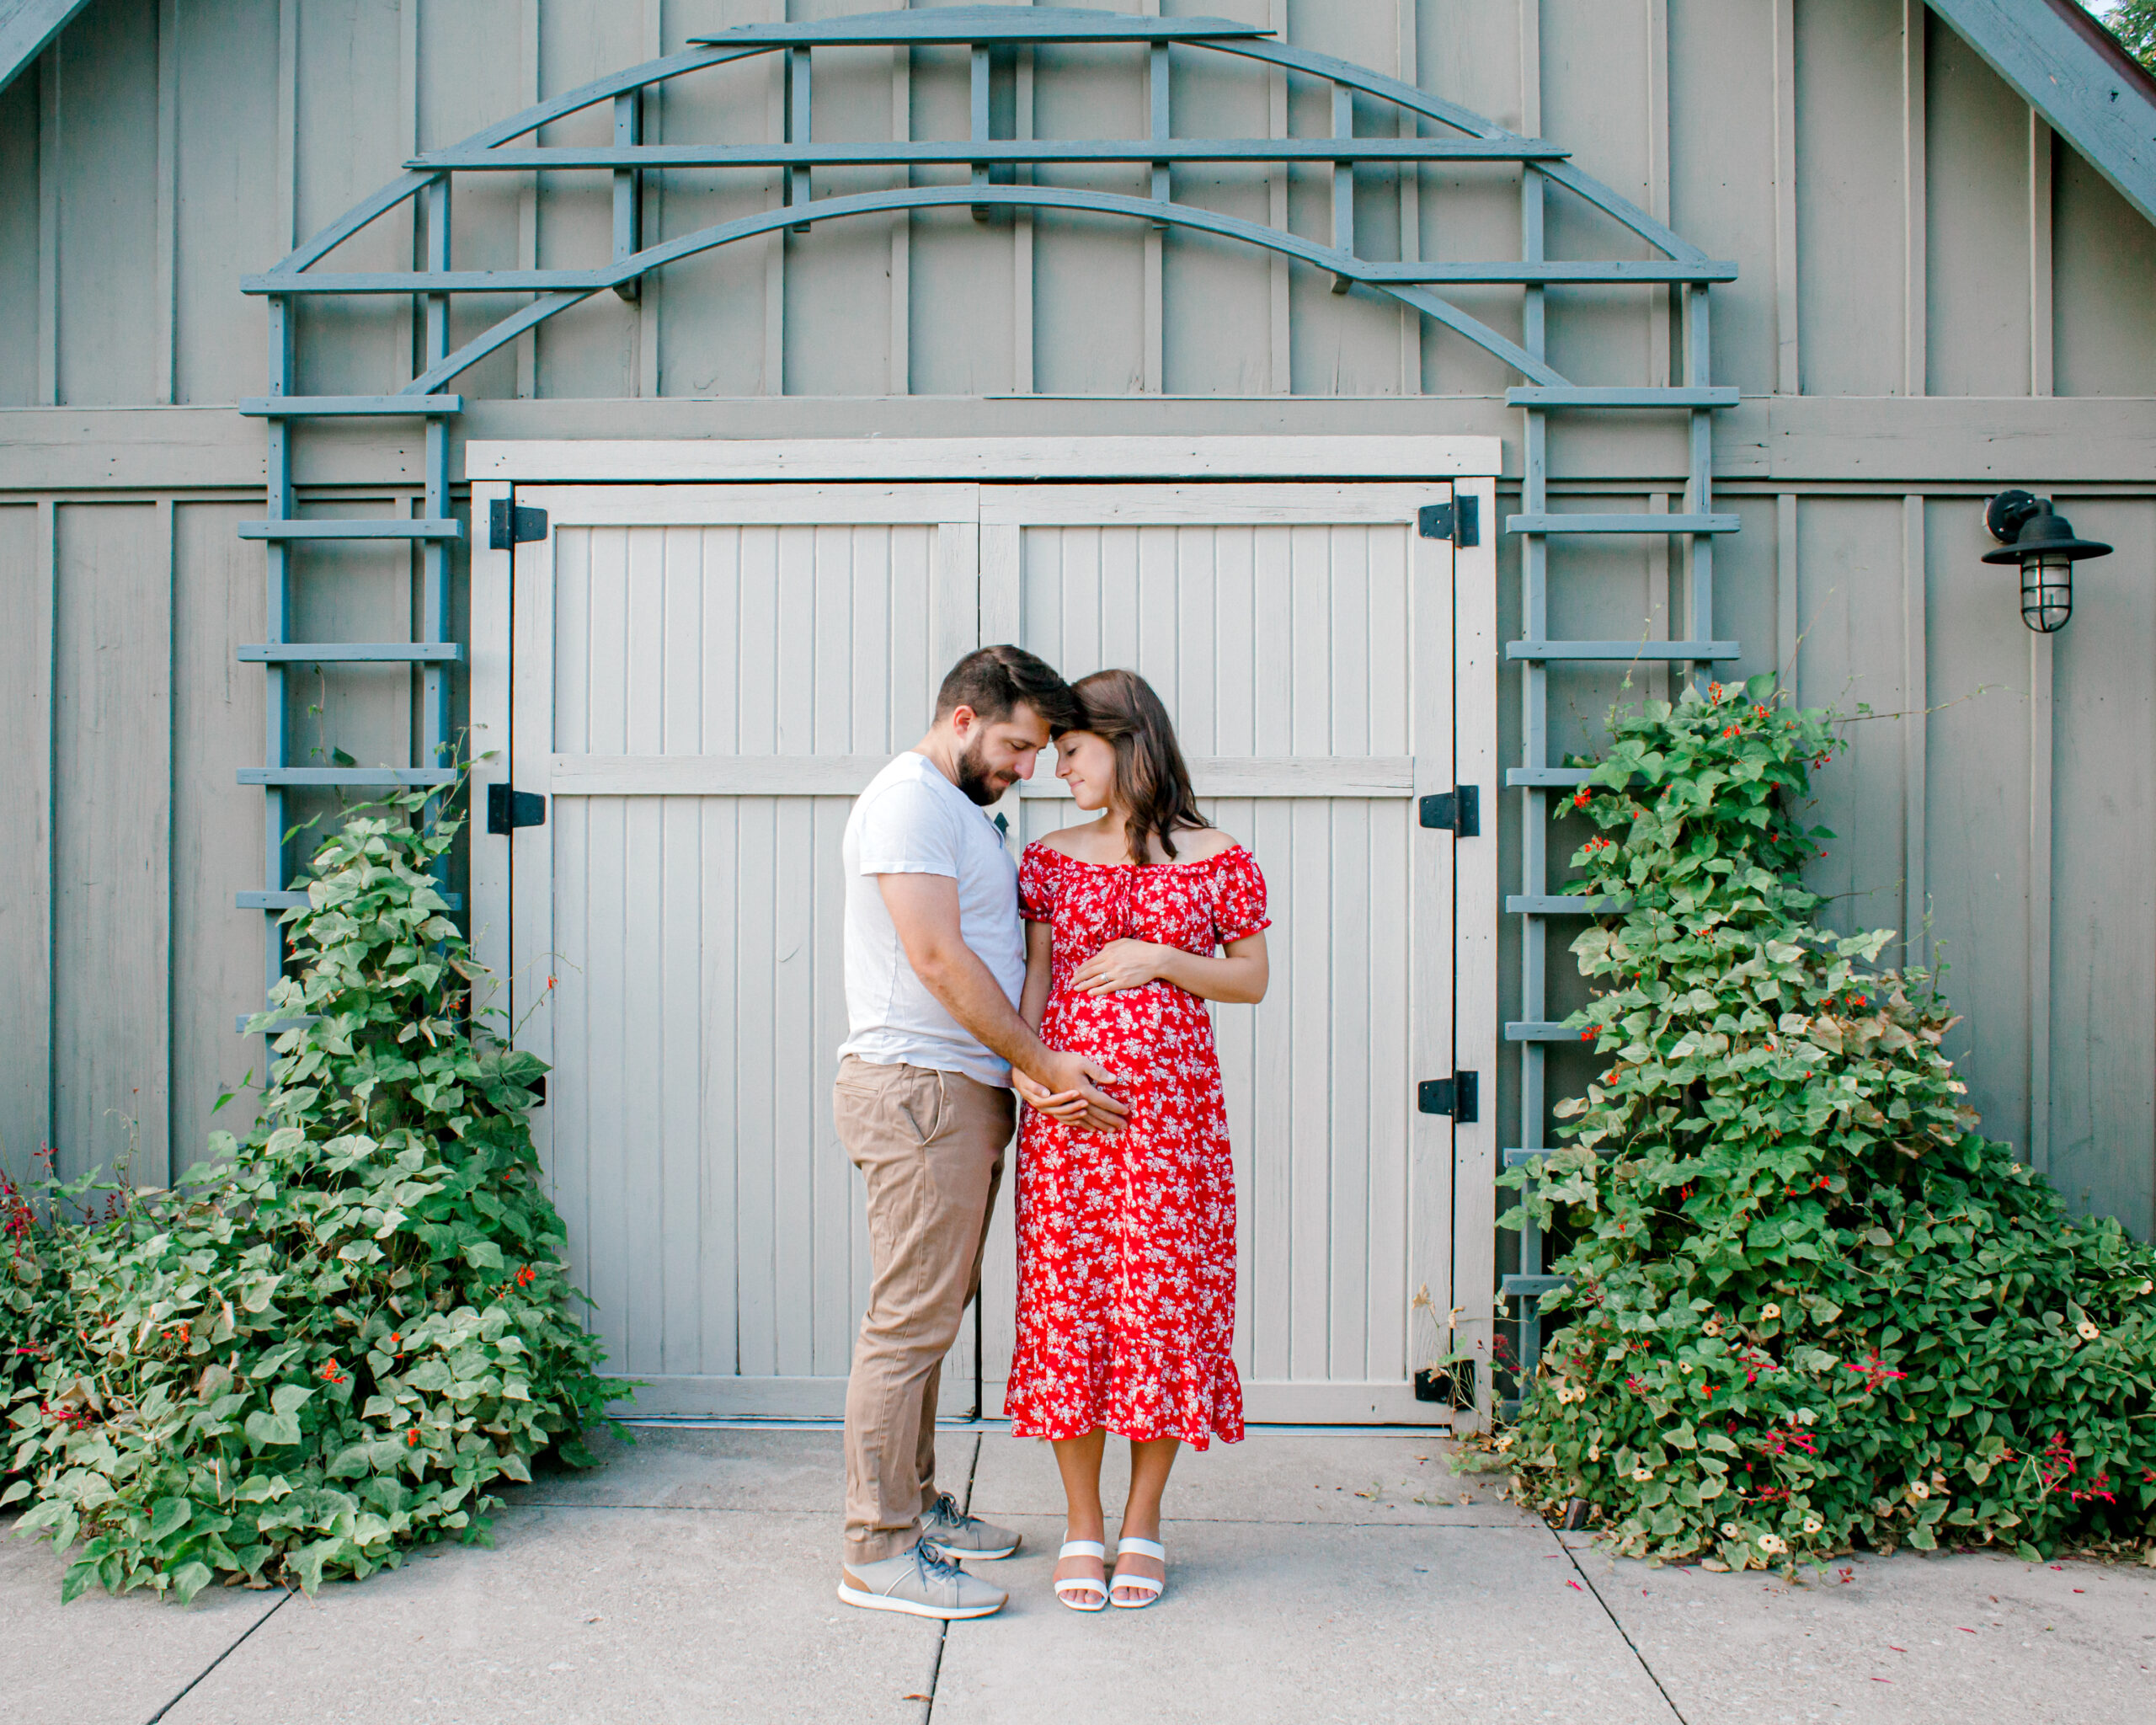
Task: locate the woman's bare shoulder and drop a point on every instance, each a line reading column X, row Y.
column 1204, row 844
column 1079, row 842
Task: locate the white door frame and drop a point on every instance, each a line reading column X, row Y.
column 1469, row 465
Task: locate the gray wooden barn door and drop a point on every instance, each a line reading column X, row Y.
column 1302, row 637
column 713, row 673
column 710, row 674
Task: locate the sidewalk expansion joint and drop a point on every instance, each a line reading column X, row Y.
column 219, row 1660
column 1587, row 1581
column 943, row 1630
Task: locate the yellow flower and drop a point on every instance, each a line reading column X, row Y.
column 2087, row 1331
column 1643, row 1474
column 1505, row 1442
column 1813, row 1523
column 1712, row 1326
column 1770, row 1311
column 1920, row 1491
column 1772, row 1544
column 1729, row 1529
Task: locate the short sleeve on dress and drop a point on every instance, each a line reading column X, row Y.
column 1037, row 884
column 1238, row 897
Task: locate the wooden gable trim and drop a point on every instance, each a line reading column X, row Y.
column 2100, row 101
column 25, row 27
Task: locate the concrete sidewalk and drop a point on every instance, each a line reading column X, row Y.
column 1312, row 1579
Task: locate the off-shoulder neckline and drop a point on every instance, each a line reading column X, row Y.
column 1220, row 855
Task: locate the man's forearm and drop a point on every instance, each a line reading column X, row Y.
column 968, row 991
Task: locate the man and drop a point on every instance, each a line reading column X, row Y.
column 935, row 964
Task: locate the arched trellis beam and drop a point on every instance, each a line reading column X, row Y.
column 1346, row 72
column 409, row 184
column 973, row 24
column 581, row 285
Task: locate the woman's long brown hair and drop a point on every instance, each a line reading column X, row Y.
column 1152, row 784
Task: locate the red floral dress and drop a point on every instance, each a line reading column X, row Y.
column 1127, row 1240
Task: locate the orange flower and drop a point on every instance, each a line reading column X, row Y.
column 412, row 1438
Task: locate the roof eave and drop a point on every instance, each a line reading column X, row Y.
column 2101, row 103
column 25, row 27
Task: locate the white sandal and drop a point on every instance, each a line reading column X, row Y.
column 1082, row 1583
column 1145, row 1584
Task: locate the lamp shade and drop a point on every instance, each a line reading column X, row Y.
column 2042, row 542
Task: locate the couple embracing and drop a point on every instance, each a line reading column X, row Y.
column 1077, row 980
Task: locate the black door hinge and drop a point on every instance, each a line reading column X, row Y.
column 508, row 809
column 509, row 524
column 1459, row 1096
column 1458, row 811
column 1459, row 521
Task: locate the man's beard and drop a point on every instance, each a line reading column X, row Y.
column 975, row 780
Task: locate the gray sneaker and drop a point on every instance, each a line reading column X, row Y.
column 922, row 1582
column 957, row 1534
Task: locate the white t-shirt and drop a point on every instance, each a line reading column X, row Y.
column 912, row 820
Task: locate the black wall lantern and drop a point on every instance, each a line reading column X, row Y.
column 2041, row 540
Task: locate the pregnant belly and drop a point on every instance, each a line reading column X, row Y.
column 1158, row 1018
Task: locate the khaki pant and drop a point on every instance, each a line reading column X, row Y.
column 930, row 1145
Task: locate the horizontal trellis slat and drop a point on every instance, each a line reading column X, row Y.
column 374, row 527
column 352, row 651
column 1539, row 395
column 1583, row 652
column 259, row 900
column 1621, row 524
column 360, row 776
column 1541, row 1031
column 335, row 407
column 960, row 153
column 1540, row 778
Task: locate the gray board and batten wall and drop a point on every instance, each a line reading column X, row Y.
column 1936, row 296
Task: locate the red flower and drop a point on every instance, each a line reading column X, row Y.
column 1580, row 797
column 1731, row 732
column 1874, row 1371
column 526, row 1276
column 412, row 1438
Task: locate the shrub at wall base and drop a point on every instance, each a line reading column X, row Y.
column 331, row 1341
column 1811, row 1307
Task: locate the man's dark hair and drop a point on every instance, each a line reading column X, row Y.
column 994, row 680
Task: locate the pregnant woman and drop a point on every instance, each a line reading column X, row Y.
column 1127, row 1240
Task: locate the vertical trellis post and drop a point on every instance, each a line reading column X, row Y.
column 434, row 553
column 1535, row 751
column 277, row 618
